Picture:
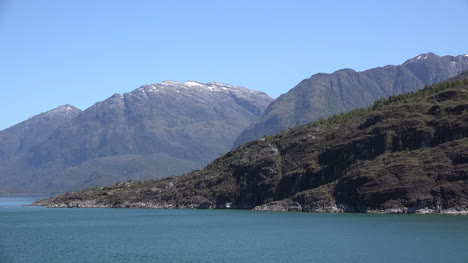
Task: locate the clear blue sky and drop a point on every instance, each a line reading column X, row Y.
column 79, row 52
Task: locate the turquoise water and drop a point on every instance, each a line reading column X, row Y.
column 144, row 235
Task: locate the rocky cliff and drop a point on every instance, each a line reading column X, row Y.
column 323, row 95
column 405, row 154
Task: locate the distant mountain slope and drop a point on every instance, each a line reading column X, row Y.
column 405, row 154
column 323, row 95
column 19, row 138
column 157, row 130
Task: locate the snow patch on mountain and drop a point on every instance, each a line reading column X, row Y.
column 193, row 84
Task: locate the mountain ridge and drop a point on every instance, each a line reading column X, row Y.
column 178, row 126
column 15, row 139
column 324, row 94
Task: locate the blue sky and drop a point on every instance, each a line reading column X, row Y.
column 80, row 52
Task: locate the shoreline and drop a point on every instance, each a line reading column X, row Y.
column 334, row 209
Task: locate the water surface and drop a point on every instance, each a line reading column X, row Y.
column 37, row 234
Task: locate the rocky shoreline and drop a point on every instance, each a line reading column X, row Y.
column 276, row 206
column 296, row 207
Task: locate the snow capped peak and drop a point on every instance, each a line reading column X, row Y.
column 431, row 56
column 212, row 86
column 189, row 86
column 193, row 84
column 63, row 109
column 425, row 56
column 421, row 57
column 66, row 107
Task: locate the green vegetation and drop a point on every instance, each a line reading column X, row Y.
column 410, row 97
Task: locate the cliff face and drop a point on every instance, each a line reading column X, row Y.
column 323, row 95
column 405, row 154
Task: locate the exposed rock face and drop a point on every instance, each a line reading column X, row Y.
column 154, row 131
column 406, row 154
column 323, row 95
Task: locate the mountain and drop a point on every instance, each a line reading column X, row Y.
column 19, row 138
column 405, row 154
column 154, row 131
column 323, row 95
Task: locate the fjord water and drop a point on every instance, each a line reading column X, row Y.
column 37, row 234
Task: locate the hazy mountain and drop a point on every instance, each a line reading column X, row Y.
column 19, row 138
column 323, row 95
column 406, row 154
column 156, row 130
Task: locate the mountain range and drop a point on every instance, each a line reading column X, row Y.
column 171, row 127
column 154, row 131
column 323, row 95
column 405, row 154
